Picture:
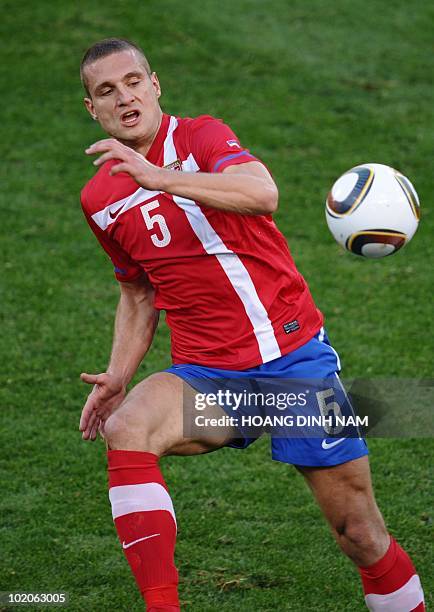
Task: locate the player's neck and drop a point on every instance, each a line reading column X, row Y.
column 142, row 145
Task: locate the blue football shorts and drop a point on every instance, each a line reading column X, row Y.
column 311, row 368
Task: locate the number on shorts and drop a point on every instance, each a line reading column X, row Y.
column 326, row 407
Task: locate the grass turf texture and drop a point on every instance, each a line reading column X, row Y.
column 312, row 88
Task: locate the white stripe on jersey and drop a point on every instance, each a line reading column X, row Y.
column 104, row 217
column 229, row 261
column 169, row 145
column 190, row 164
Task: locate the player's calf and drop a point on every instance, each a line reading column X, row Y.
column 344, row 492
column 145, row 521
column 137, row 434
column 147, row 425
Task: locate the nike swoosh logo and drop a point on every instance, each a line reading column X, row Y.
column 125, row 546
column 113, row 215
column 326, row 445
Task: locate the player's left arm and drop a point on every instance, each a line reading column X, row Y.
column 246, row 188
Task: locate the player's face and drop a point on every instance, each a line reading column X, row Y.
column 123, row 97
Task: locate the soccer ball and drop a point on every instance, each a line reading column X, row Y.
column 372, row 210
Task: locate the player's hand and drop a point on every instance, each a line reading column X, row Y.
column 107, row 394
column 140, row 169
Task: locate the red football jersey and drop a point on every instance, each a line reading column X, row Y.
column 232, row 294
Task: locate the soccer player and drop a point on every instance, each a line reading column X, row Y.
column 184, row 212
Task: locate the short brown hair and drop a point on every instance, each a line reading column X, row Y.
column 106, row 47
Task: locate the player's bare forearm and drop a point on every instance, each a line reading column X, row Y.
column 135, row 324
column 136, row 321
column 245, row 188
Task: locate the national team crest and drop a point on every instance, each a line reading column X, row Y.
column 176, row 165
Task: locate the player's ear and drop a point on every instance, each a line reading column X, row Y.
column 155, row 83
column 90, row 107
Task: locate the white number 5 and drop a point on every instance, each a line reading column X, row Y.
column 156, row 219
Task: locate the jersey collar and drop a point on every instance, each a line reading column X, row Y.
column 154, row 152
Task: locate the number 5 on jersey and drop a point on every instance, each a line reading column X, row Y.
column 158, row 220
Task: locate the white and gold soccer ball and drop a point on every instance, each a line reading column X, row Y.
column 372, row 210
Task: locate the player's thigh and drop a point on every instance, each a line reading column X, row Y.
column 344, row 493
column 153, row 418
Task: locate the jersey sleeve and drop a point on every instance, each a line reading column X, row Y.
column 125, row 269
column 215, row 146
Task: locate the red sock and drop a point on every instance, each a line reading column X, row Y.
column 145, row 521
column 392, row 584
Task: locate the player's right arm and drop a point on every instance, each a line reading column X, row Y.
column 135, row 325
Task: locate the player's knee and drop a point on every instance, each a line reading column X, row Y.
column 115, row 431
column 134, row 427
column 356, row 533
column 123, row 433
column 362, row 538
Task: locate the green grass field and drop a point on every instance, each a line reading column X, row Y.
column 311, row 87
